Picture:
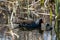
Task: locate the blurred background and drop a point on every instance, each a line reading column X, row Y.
column 15, row 12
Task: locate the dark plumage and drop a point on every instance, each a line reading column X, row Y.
column 32, row 26
column 48, row 27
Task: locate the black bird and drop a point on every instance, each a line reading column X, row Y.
column 32, row 26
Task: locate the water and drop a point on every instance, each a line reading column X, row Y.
column 47, row 36
column 31, row 35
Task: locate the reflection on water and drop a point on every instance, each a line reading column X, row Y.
column 2, row 37
column 32, row 35
column 47, row 36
